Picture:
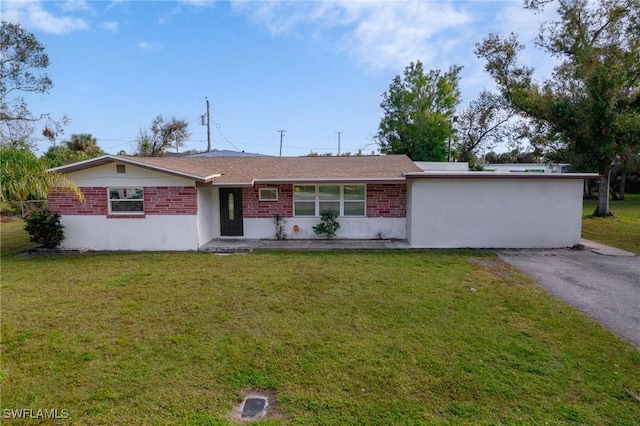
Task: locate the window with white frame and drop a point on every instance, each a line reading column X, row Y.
column 346, row 200
column 354, row 197
column 268, row 194
column 126, row 200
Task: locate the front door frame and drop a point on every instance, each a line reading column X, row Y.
column 231, row 220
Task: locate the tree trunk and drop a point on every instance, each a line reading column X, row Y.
column 623, row 182
column 612, row 191
column 602, row 206
column 623, row 176
column 586, row 189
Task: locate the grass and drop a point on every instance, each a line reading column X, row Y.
column 622, row 230
column 435, row 337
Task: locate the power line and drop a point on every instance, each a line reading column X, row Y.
column 225, row 138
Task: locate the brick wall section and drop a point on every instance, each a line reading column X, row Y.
column 383, row 200
column 171, row 200
column 386, row 200
column 95, row 202
column 253, row 208
column 158, row 200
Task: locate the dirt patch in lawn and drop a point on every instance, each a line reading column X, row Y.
column 494, row 265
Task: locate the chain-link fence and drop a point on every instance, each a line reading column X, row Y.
column 22, row 208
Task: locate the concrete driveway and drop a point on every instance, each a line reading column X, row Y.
column 600, row 281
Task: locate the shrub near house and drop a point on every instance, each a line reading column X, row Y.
column 44, row 228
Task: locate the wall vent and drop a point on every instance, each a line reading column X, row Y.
column 120, row 168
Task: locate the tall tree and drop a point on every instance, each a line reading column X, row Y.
column 625, row 165
column 84, row 144
column 592, row 99
column 23, row 176
column 22, row 57
column 483, row 125
column 17, row 134
column 57, row 156
column 163, row 137
column 81, row 147
column 418, row 110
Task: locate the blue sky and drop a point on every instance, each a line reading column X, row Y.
column 310, row 68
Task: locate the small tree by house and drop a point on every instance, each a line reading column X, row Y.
column 44, row 228
column 328, row 225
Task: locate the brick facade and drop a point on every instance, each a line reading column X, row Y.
column 95, row 202
column 169, row 200
column 158, row 200
column 253, row 208
column 383, row 200
column 386, row 200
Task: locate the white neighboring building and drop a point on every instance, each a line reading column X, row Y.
column 528, row 168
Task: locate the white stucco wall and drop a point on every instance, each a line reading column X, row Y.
column 350, row 228
column 494, row 213
column 105, row 175
column 154, row 232
column 208, row 214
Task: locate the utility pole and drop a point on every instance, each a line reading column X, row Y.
column 208, row 127
column 281, row 135
column 204, row 120
column 451, row 121
column 339, row 133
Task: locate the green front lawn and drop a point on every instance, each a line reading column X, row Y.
column 434, row 337
column 622, row 230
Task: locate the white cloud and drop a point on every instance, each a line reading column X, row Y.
column 390, row 35
column 197, row 3
column 31, row 15
column 380, row 35
column 149, row 46
column 110, row 26
column 182, row 6
column 387, row 35
column 76, row 6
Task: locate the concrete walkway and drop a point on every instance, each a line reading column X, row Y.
column 327, row 245
column 605, row 250
column 243, row 245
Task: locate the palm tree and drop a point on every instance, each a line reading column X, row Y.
column 24, row 176
column 85, row 143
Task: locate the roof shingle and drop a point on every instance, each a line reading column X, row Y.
column 247, row 170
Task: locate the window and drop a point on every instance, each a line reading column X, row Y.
column 126, row 200
column 268, row 194
column 329, row 197
column 311, row 200
column 354, row 200
column 304, row 200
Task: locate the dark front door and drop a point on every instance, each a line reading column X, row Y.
column 231, row 212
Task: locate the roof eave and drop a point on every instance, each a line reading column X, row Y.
column 494, row 175
column 106, row 159
column 330, row 180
